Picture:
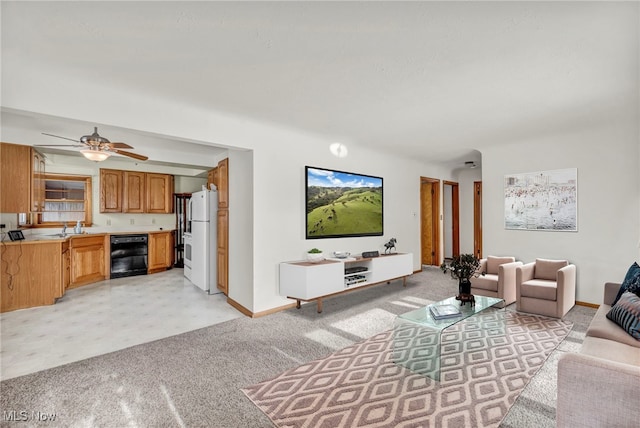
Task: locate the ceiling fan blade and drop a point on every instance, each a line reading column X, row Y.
column 131, row 155
column 57, row 136
column 120, row 146
column 59, row 145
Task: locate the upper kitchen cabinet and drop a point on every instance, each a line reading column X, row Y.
column 111, row 181
column 15, row 178
column 212, row 177
column 159, row 193
column 135, row 192
column 223, row 183
column 37, row 181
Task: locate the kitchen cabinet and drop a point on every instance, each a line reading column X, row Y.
column 111, row 190
column 66, row 266
column 159, row 192
column 133, row 192
column 223, row 251
column 37, row 181
column 223, row 184
column 32, row 274
column 212, row 177
column 15, row 178
column 87, row 259
column 160, row 251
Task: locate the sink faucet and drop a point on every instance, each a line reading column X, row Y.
column 64, row 228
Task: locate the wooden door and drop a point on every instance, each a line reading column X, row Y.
column 87, row 260
column 223, row 251
column 133, row 193
column 430, row 221
column 110, row 190
column 477, row 219
column 160, row 251
column 455, row 217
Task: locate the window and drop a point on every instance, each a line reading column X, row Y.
column 67, row 199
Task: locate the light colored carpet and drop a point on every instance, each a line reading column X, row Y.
column 194, row 379
column 483, row 371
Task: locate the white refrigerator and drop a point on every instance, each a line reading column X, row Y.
column 202, row 217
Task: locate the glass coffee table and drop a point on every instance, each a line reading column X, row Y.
column 417, row 335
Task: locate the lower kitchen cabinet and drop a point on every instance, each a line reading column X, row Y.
column 32, row 275
column 160, row 251
column 87, row 260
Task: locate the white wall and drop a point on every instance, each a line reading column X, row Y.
column 607, row 159
column 606, row 242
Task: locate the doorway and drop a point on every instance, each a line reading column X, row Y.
column 477, row 219
column 430, row 221
column 451, row 219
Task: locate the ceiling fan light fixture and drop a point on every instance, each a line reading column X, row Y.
column 95, row 155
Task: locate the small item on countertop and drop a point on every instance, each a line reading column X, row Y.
column 78, row 228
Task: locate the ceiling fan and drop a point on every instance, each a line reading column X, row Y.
column 97, row 148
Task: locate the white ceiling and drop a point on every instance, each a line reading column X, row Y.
column 431, row 80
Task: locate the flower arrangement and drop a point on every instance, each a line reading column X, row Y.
column 462, row 268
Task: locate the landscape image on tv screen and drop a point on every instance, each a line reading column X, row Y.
column 342, row 204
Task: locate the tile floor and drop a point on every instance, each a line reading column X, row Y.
column 105, row 317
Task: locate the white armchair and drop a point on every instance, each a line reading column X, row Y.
column 546, row 287
column 499, row 279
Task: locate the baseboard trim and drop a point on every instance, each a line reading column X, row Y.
column 588, row 305
column 251, row 314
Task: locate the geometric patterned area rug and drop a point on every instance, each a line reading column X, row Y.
column 358, row 386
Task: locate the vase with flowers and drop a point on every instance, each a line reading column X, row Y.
column 463, row 268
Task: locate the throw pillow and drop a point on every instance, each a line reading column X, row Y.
column 632, row 274
column 626, row 313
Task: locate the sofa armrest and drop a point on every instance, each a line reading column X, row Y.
column 610, row 292
column 594, row 392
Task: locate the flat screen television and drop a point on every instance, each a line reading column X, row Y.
column 342, row 204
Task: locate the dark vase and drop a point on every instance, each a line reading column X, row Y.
column 464, row 286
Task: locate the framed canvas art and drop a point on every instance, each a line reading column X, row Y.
column 544, row 200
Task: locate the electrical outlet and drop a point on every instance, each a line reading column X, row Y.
column 108, row 222
column 132, row 221
column 153, row 221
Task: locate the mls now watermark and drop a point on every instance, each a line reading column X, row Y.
column 25, row 416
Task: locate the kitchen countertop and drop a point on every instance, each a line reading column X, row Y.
column 54, row 236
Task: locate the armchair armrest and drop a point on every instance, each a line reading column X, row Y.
column 566, row 283
column 507, row 281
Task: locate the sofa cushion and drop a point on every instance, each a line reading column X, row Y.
column 626, row 313
column 633, row 274
column 610, row 350
column 539, row 289
column 603, row 327
column 548, row 269
column 493, row 262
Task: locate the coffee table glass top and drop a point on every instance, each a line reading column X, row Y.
column 423, row 315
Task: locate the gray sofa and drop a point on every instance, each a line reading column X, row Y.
column 600, row 386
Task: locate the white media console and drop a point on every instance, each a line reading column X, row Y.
column 306, row 281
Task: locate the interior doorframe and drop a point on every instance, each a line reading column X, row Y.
column 477, row 218
column 455, row 216
column 435, row 215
